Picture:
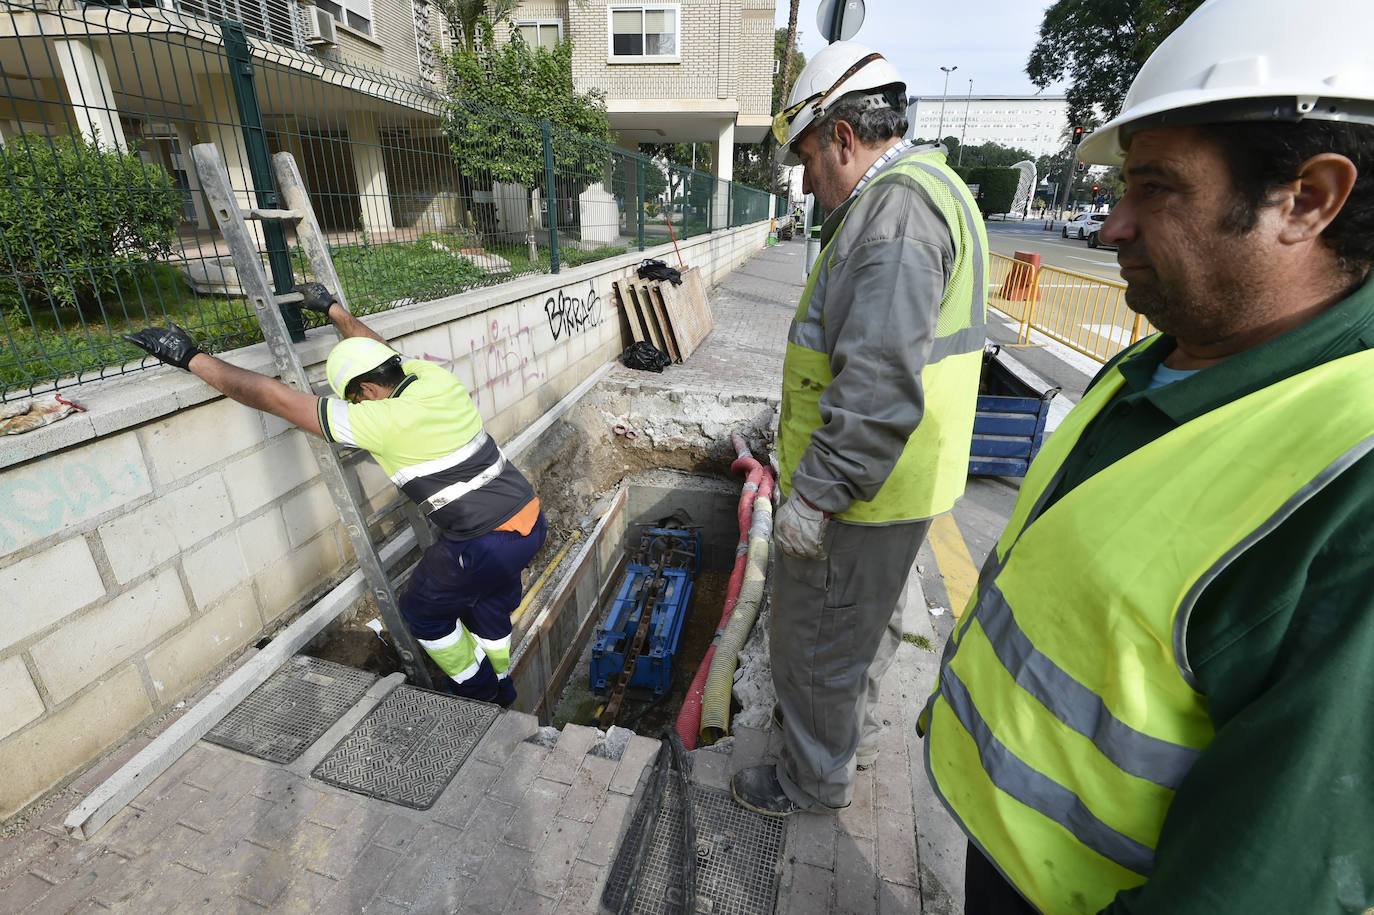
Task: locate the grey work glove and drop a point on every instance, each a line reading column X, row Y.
column 800, row 529
column 171, row 344
column 315, row 297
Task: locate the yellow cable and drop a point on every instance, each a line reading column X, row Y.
column 544, row 577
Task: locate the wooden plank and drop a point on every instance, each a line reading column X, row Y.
column 688, row 310
column 660, row 320
column 669, row 334
column 631, row 314
column 646, row 313
column 635, row 313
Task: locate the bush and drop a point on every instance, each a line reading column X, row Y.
column 77, row 219
column 996, row 188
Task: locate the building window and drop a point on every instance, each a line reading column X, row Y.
column 644, row 31
column 356, row 14
column 540, row 33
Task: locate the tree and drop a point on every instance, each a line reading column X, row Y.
column 791, row 61
column 989, row 154
column 498, row 95
column 677, row 161
column 464, row 17
column 753, row 165
column 1100, row 45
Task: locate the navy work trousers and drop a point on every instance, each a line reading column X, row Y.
column 460, row 598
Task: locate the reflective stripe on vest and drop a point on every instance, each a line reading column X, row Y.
column 930, row 474
column 1066, row 713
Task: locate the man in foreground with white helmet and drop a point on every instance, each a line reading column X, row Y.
column 418, row 422
column 1161, row 698
column 880, row 385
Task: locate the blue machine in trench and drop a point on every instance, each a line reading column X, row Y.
column 645, row 622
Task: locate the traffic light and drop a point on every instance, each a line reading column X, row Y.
column 1094, row 188
column 1082, row 166
column 1077, row 135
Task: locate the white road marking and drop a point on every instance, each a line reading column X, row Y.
column 1113, row 332
column 1110, row 263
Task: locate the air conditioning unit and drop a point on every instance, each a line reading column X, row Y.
column 319, row 28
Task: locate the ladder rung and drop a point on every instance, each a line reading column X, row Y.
column 288, row 215
column 389, row 508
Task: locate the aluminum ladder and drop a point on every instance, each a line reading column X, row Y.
column 343, row 487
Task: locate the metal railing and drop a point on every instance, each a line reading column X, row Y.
column 1085, row 313
column 103, row 226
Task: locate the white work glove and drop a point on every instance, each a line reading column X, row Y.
column 800, row 529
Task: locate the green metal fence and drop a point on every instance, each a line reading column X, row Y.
column 103, row 227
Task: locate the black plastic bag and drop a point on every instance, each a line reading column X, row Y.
column 651, row 269
column 646, row 356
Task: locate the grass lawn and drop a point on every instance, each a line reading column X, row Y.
column 42, row 341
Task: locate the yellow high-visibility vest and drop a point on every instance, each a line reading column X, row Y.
column 930, row 474
column 1066, row 714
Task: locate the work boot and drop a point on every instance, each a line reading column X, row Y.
column 757, row 788
column 505, row 693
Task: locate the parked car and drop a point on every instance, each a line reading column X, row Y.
column 1083, row 225
column 1095, row 241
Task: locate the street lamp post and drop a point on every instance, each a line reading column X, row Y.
column 939, row 131
column 964, row 132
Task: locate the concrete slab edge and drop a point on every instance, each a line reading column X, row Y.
column 124, row 785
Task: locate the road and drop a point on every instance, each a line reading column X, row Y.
column 1066, row 253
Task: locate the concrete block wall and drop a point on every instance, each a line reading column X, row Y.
column 149, row 540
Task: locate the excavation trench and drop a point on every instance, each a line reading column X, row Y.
column 623, row 457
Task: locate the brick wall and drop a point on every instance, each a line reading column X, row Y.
column 149, row 540
column 710, row 47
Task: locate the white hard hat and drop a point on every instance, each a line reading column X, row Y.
column 1251, row 60
column 838, row 69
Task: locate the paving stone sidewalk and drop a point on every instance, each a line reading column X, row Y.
column 532, row 820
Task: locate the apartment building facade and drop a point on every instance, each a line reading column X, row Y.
column 154, row 75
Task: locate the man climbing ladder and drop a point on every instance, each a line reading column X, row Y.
column 418, row 422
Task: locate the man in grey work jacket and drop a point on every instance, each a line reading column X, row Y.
column 879, row 390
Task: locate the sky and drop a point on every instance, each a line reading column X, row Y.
column 988, row 40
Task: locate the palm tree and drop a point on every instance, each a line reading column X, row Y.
column 787, row 54
column 462, row 16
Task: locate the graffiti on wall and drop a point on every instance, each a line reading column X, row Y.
column 503, row 356
column 569, row 314
column 34, row 506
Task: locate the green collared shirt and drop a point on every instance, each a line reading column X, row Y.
column 1278, row 814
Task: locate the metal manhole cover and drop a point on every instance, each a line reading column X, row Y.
column 409, row 747
column 737, row 857
column 292, row 709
